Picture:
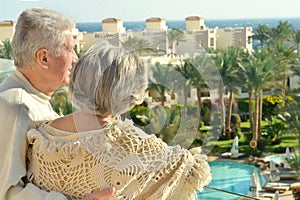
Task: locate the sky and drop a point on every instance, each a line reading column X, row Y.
column 140, row 10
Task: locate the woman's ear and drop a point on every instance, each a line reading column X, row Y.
column 42, row 57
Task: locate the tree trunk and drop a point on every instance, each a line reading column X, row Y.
column 199, row 104
column 229, row 114
column 223, row 113
column 162, row 98
column 185, row 93
column 260, row 115
column 250, row 93
column 284, row 85
column 256, row 118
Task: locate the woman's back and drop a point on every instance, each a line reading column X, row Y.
column 138, row 165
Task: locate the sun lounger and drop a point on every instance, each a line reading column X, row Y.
column 266, row 195
column 226, row 154
column 288, row 176
column 280, row 187
column 232, row 155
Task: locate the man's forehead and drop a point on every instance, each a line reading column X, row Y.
column 69, row 36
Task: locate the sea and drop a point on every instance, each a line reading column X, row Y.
column 210, row 23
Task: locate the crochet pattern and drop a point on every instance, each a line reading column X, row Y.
column 138, row 165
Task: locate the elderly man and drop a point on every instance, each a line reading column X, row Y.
column 43, row 54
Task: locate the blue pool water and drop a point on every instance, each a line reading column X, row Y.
column 230, row 176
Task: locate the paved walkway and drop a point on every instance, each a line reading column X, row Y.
column 287, row 195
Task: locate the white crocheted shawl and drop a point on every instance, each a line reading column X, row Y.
column 138, row 165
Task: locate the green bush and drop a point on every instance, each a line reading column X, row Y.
column 235, row 119
column 140, row 115
column 271, row 104
column 191, row 110
column 243, row 105
column 235, row 125
column 261, row 144
column 206, row 111
column 294, row 162
column 61, row 102
column 275, row 129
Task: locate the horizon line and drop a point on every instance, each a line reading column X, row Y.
column 251, row 18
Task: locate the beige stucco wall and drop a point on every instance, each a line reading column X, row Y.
column 156, row 25
column 7, row 30
column 113, row 27
column 195, row 42
column 110, row 27
column 157, row 39
column 90, row 39
column 225, row 38
column 195, row 25
column 238, row 37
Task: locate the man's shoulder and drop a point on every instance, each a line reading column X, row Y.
column 10, row 91
column 12, row 95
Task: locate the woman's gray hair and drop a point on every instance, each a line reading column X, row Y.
column 38, row 28
column 108, row 80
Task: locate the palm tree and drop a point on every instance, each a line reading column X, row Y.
column 185, row 70
column 284, row 31
column 202, row 76
column 291, row 112
column 262, row 33
column 5, row 49
column 174, row 37
column 137, row 45
column 295, row 70
column 163, row 79
column 284, row 56
column 247, row 75
column 190, row 70
column 230, row 66
column 296, row 37
column 265, row 73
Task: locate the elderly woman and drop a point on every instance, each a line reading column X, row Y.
column 93, row 148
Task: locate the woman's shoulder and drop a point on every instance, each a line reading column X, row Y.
column 65, row 123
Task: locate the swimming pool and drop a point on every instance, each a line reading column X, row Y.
column 230, row 176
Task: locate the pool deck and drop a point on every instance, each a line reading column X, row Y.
column 286, row 195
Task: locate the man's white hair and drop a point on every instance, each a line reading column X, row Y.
column 38, row 28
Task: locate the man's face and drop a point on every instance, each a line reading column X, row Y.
column 60, row 66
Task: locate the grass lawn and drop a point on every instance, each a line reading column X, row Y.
column 287, row 140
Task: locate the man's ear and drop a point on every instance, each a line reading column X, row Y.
column 42, row 57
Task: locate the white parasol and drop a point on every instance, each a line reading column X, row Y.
column 274, row 176
column 255, row 185
column 276, row 197
column 287, row 153
column 287, row 158
column 235, row 146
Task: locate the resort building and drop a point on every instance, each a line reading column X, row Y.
column 113, row 30
column 156, row 40
column 194, row 23
column 78, row 39
column 112, row 25
column 91, row 38
column 197, row 41
column 216, row 38
column 239, row 37
column 197, row 36
column 7, row 30
column 156, row 24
